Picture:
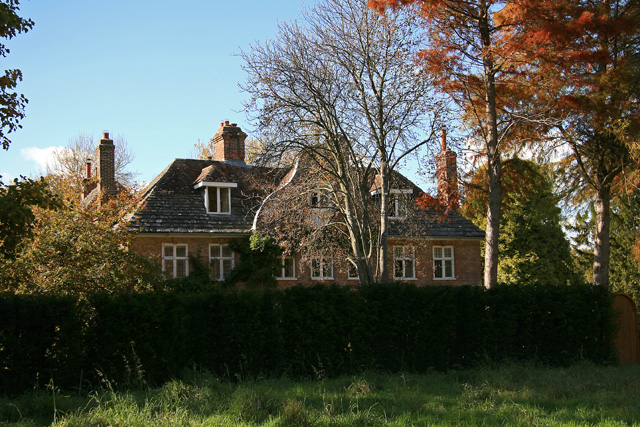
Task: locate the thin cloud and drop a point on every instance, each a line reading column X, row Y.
column 42, row 156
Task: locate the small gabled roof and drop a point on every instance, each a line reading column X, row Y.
column 171, row 204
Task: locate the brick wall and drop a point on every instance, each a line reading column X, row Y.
column 467, row 260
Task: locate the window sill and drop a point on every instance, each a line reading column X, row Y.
column 322, row 278
column 444, row 278
column 405, row 278
column 286, row 278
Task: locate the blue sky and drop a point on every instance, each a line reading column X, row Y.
column 162, row 74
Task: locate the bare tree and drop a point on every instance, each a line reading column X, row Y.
column 68, row 167
column 342, row 86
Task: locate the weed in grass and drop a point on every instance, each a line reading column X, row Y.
column 360, row 387
column 249, row 405
column 294, row 414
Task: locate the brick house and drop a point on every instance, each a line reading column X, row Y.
column 194, row 208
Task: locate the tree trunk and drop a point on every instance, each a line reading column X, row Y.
column 493, row 157
column 384, row 218
column 601, row 247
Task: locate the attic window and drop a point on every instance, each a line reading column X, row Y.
column 218, row 200
column 217, row 196
column 398, row 202
column 320, row 199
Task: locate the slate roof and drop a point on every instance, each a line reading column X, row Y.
column 170, row 204
column 436, row 224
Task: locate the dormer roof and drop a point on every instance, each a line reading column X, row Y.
column 172, row 204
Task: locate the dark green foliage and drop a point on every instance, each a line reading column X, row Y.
column 625, row 233
column 259, row 256
column 319, row 331
column 533, row 246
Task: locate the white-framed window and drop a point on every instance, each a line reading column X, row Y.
column 404, row 262
column 443, row 262
column 217, row 196
column 218, row 200
column 322, row 267
column 398, row 199
column 221, row 261
column 287, row 267
column 320, row 199
column 352, row 274
column 398, row 203
column 175, row 260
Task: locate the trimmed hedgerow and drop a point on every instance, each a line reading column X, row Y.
column 304, row 331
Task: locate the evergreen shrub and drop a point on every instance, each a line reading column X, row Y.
column 304, row 331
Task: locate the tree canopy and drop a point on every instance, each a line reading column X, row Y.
column 17, row 218
column 12, row 104
column 547, row 72
column 533, row 245
column 471, row 58
column 79, row 249
column 343, row 87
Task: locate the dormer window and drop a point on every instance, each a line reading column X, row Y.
column 320, row 199
column 217, row 196
column 398, row 203
column 219, row 200
column 399, row 200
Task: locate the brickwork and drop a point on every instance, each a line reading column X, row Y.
column 447, row 176
column 105, row 173
column 228, row 143
column 467, row 260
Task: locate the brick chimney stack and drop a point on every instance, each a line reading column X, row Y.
column 88, row 165
column 105, row 168
column 228, row 143
column 447, row 174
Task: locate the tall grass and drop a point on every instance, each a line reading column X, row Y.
column 514, row 395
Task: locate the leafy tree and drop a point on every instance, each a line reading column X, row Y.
column 12, row 104
column 472, row 58
column 80, row 249
column 592, row 50
column 533, row 246
column 343, row 88
column 17, row 218
column 625, row 235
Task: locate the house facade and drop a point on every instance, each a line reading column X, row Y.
column 194, row 208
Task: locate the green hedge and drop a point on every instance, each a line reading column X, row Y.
column 302, row 331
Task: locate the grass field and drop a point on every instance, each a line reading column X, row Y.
column 514, row 395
